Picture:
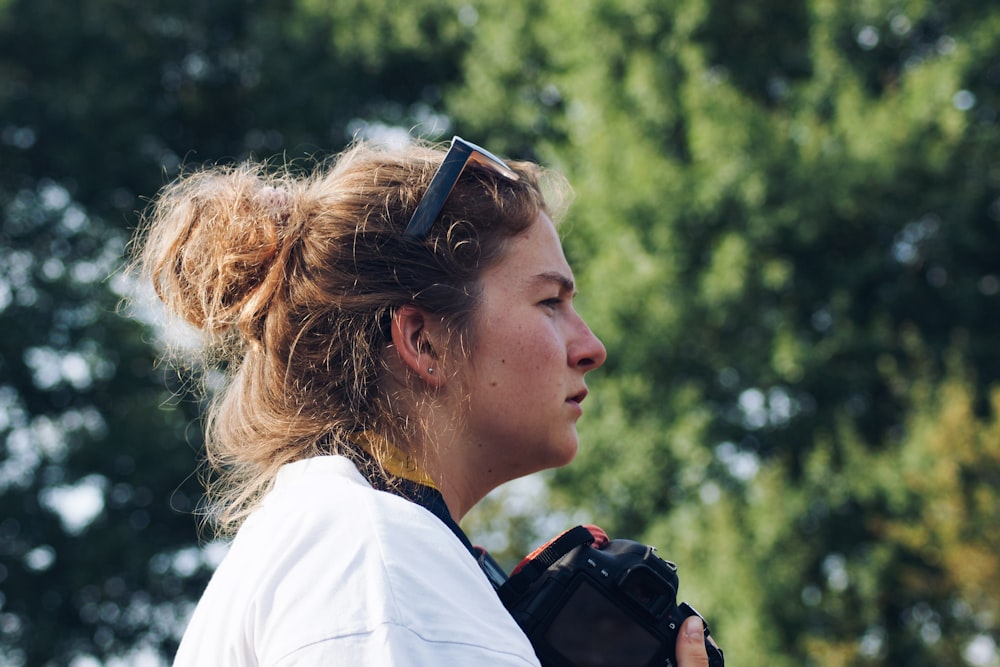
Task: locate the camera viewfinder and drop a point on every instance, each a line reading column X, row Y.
column 651, row 592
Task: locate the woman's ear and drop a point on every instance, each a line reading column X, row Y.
column 417, row 337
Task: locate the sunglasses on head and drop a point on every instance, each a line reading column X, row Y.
column 458, row 157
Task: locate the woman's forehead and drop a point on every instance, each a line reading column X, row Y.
column 535, row 256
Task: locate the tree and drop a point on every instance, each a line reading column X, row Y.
column 784, row 220
column 101, row 103
column 784, row 233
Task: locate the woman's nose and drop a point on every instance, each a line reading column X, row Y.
column 588, row 352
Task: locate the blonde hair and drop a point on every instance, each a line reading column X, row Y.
column 294, row 277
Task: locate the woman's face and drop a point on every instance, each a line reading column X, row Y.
column 530, row 353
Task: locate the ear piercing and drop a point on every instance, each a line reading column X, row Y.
column 430, row 371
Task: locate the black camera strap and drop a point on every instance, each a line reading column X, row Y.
column 553, row 550
column 431, row 500
column 537, row 562
column 412, row 487
column 404, row 479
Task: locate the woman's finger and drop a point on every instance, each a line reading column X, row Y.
column 691, row 650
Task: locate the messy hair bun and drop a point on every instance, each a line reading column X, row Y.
column 215, row 247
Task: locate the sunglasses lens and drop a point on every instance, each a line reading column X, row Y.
column 490, row 161
column 459, row 155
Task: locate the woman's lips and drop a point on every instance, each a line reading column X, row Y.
column 576, row 399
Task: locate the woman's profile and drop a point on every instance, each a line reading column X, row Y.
column 396, row 337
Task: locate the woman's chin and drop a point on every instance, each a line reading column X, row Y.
column 564, row 454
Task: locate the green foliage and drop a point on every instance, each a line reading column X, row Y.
column 100, row 103
column 786, row 221
column 95, row 486
column 946, row 505
column 785, row 232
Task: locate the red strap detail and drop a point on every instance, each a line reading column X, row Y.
column 534, row 554
column 600, row 537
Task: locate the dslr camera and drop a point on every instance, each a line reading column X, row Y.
column 587, row 601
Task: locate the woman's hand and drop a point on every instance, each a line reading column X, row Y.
column 691, row 644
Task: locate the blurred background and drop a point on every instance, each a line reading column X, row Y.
column 786, row 231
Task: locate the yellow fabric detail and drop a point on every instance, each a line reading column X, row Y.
column 395, row 461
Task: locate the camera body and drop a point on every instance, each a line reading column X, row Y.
column 586, row 601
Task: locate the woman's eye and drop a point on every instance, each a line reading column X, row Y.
column 552, row 303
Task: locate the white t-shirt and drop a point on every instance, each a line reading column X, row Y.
column 329, row 571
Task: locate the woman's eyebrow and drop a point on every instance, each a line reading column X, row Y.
column 565, row 283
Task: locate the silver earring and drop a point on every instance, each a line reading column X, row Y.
column 430, row 371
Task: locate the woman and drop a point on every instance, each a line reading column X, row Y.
column 399, row 338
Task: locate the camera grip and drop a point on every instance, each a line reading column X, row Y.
column 715, row 657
